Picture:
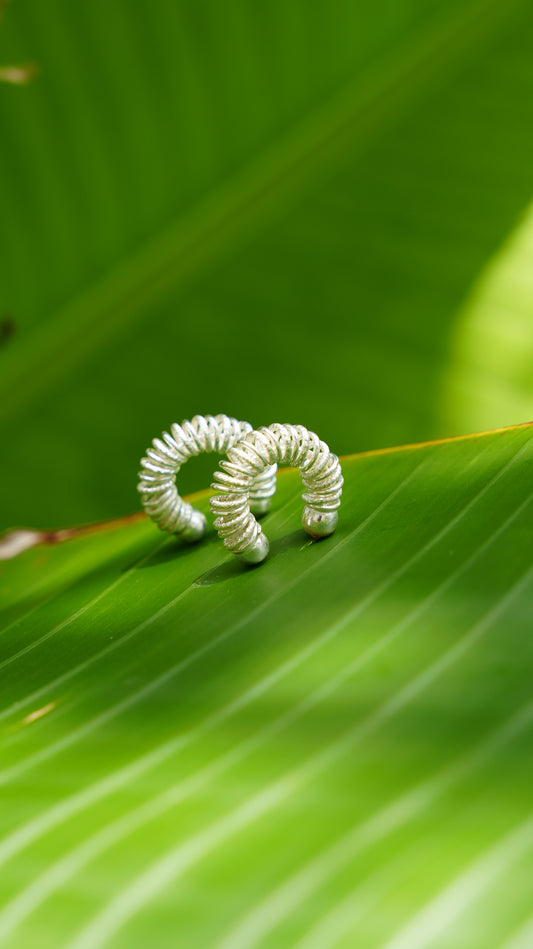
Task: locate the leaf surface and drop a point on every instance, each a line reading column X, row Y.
column 334, row 748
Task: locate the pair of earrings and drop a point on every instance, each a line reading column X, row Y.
column 245, row 482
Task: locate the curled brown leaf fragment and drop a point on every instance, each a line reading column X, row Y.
column 16, row 541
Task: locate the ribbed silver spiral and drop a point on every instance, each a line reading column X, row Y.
column 278, row 444
column 160, row 465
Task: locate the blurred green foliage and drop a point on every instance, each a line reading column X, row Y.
column 296, row 211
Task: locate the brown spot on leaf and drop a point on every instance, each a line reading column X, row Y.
column 18, row 75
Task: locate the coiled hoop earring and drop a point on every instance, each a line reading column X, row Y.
column 285, row 445
column 164, row 459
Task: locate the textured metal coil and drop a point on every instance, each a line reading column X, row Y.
column 284, row 445
column 163, row 460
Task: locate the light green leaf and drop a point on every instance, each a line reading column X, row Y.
column 278, row 210
column 332, row 749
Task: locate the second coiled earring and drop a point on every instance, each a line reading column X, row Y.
column 282, row 444
column 163, row 460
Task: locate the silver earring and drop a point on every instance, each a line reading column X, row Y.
column 157, row 484
column 285, row 445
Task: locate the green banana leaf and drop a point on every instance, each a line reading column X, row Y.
column 285, row 211
column 332, row 749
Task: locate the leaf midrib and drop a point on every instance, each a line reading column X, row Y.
column 281, row 175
